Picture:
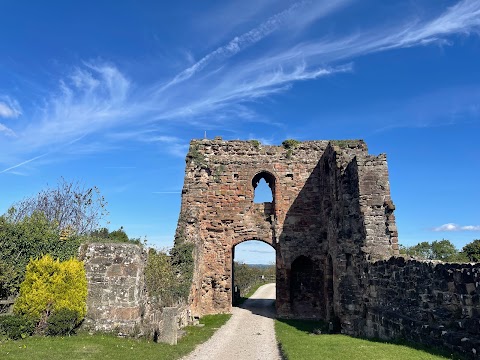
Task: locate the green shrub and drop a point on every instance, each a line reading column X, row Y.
column 290, row 144
column 169, row 277
column 62, row 322
column 51, row 285
column 16, row 326
column 31, row 237
column 256, row 144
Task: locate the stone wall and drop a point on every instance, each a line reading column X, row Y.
column 117, row 300
column 428, row 302
column 332, row 225
column 116, row 288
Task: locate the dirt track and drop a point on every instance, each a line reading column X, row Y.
column 248, row 335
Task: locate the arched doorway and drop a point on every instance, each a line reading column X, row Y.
column 253, row 265
column 305, row 287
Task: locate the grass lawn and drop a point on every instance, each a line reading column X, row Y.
column 298, row 341
column 84, row 346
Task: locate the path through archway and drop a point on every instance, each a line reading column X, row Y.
column 253, row 265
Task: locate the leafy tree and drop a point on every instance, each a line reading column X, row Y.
column 70, row 205
column 443, row 250
column 29, row 238
column 472, row 250
column 437, row 250
column 422, row 250
column 103, row 235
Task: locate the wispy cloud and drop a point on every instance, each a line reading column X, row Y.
column 456, row 227
column 99, row 98
column 9, row 108
column 7, row 131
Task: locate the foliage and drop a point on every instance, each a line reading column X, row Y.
column 30, row 237
column 159, row 277
column 169, row 277
column 300, row 340
column 256, row 144
column 16, row 326
column 342, row 144
column 472, row 250
column 197, row 157
column 183, row 263
column 70, row 206
column 51, row 285
column 437, row 250
column 62, row 322
column 290, row 144
column 218, row 172
column 101, row 346
column 116, row 236
column 247, row 277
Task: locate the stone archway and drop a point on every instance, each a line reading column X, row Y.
column 323, row 194
column 235, row 248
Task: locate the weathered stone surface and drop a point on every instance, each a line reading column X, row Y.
column 331, row 205
column 332, row 225
column 116, row 291
column 117, row 299
column 427, row 302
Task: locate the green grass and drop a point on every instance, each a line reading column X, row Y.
column 298, row 341
column 84, row 346
column 252, row 290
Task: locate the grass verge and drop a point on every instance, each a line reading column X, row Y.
column 250, row 292
column 86, row 347
column 298, row 340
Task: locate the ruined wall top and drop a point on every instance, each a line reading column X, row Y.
column 289, row 150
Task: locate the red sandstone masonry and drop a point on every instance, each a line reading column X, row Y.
column 317, row 212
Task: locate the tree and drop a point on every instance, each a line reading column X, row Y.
column 72, row 207
column 443, row 250
column 30, row 237
column 472, row 250
column 437, row 250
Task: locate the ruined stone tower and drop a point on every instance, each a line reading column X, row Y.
column 331, row 211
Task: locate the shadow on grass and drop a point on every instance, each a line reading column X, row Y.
column 315, row 327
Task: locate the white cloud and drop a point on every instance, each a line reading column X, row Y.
column 7, row 131
column 9, row 108
column 456, row 227
column 98, row 98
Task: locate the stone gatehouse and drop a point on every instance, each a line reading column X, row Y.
column 331, row 206
column 332, row 226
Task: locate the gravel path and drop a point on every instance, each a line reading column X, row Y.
column 248, row 335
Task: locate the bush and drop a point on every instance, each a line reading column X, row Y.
column 62, row 322
column 290, row 144
column 51, row 285
column 31, row 237
column 16, row 326
column 169, row 278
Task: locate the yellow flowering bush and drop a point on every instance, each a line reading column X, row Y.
column 51, row 285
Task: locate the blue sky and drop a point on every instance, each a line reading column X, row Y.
column 110, row 94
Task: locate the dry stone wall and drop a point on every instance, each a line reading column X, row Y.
column 428, row 302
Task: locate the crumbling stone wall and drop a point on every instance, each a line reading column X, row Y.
column 117, row 300
column 423, row 301
column 332, row 225
column 116, row 289
column 331, row 204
